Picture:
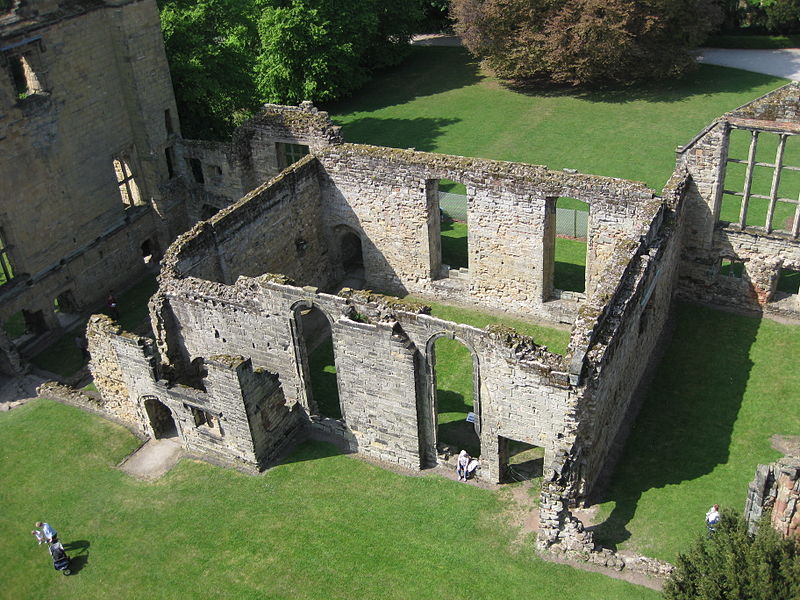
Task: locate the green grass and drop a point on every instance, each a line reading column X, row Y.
column 726, row 384
column 753, row 42
column 321, row 526
column 570, row 268
column 64, row 358
column 454, row 244
column 455, row 395
column 14, row 326
column 556, row 340
column 324, row 388
column 440, row 101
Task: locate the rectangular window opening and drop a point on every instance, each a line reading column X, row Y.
column 23, row 75
column 731, row 267
column 170, row 157
column 197, row 170
column 288, row 154
column 128, row 190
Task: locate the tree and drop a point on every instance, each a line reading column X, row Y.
column 585, row 42
column 210, row 46
column 732, row 564
column 325, row 49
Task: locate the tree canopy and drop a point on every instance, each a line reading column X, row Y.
column 585, row 42
column 732, row 564
column 228, row 56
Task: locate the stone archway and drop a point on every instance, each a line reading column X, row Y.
column 160, row 416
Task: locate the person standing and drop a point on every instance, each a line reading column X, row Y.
column 712, row 519
column 50, row 534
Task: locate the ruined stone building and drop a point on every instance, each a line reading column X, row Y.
column 94, row 174
column 294, row 226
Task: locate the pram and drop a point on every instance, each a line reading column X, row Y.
column 60, row 558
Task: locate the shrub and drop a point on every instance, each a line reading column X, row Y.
column 732, row 564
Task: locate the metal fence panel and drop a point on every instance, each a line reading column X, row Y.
column 569, row 222
column 572, row 223
column 453, row 205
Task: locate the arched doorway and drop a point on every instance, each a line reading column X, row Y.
column 454, row 394
column 351, row 251
column 315, row 357
column 160, row 418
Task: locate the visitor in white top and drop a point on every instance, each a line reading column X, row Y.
column 712, row 519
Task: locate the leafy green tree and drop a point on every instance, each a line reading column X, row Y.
column 585, row 42
column 325, row 49
column 735, row 565
column 211, row 45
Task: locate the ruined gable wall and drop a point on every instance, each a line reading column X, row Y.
column 276, row 228
column 255, row 153
column 62, row 215
column 383, row 195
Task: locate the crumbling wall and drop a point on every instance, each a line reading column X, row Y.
column 776, row 491
column 240, row 418
column 275, row 228
column 223, row 172
column 709, row 241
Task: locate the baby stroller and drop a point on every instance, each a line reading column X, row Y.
column 60, row 558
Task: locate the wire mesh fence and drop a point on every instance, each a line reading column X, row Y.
column 569, row 222
column 572, row 223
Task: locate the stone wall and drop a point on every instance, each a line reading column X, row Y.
column 776, row 491
column 240, row 418
column 387, row 197
column 103, row 91
column 275, row 228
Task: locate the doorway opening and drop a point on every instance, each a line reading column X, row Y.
column 456, row 406
column 160, row 418
column 519, row 461
column 565, row 246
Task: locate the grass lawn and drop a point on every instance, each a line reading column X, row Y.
column 321, row 526
column 454, row 244
column 440, row 101
column 64, row 358
column 726, row 384
column 570, row 268
column 455, row 396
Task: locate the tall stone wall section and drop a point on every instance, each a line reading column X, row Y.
column 384, row 196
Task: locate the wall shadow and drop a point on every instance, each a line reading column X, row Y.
column 686, row 421
column 459, row 433
column 569, row 277
column 419, row 133
column 312, row 450
column 707, row 79
column 425, row 72
column 455, row 247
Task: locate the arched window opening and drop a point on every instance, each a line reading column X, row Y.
column 455, row 406
column 160, row 418
column 315, row 349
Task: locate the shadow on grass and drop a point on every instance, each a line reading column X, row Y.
column 686, row 421
column 458, row 433
column 324, row 387
column 569, row 277
column 455, row 249
column 78, row 552
column 707, row 79
column 419, row 133
column 444, row 69
column 312, row 450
